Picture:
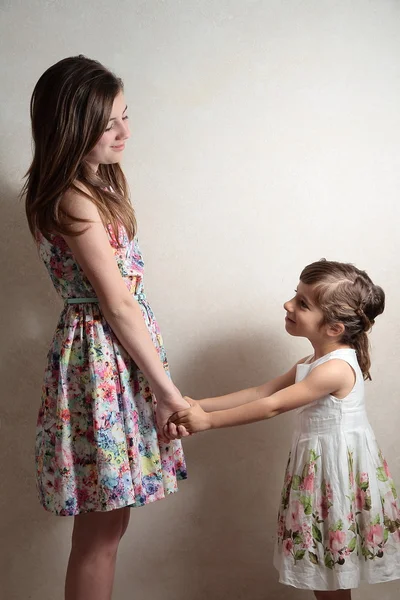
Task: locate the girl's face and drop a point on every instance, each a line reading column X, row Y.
column 303, row 316
column 110, row 147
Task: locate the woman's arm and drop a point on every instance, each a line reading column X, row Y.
column 94, row 254
column 323, row 380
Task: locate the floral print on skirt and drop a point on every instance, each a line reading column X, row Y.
column 339, row 515
column 97, row 448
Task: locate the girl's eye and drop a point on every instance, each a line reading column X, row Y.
column 125, row 118
column 110, row 127
column 302, row 303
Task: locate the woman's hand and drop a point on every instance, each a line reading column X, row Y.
column 168, row 403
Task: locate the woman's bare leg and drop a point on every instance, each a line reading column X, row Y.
column 91, row 566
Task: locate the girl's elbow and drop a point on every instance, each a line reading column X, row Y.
column 273, row 413
column 273, row 409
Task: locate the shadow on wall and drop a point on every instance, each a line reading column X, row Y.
column 29, row 312
column 215, row 538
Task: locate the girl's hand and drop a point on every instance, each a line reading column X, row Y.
column 190, row 400
column 193, row 419
column 172, row 431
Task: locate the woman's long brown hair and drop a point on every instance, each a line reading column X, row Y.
column 70, row 109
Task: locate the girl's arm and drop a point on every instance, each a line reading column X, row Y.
column 325, row 379
column 94, row 254
column 249, row 395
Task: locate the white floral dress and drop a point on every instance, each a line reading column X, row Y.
column 339, row 517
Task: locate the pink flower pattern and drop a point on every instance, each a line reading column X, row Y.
column 337, row 540
column 306, row 530
column 97, row 447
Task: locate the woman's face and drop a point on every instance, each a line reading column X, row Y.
column 110, row 147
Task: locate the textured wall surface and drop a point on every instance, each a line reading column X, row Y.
column 265, row 135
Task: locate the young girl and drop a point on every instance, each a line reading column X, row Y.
column 339, row 518
column 97, row 448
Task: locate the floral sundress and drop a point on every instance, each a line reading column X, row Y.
column 97, row 447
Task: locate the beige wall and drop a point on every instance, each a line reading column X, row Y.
column 265, row 136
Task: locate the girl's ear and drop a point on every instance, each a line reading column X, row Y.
column 335, row 329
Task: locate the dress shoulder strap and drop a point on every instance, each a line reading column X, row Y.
column 347, row 354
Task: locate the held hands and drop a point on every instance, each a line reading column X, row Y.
column 168, row 403
column 193, row 419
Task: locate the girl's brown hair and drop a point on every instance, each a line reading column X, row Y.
column 70, row 109
column 347, row 295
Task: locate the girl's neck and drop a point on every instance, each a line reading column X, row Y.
column 324, row 348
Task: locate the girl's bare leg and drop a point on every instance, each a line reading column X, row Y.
column 336, row 595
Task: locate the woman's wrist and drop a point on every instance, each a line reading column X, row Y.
column 165, row 388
